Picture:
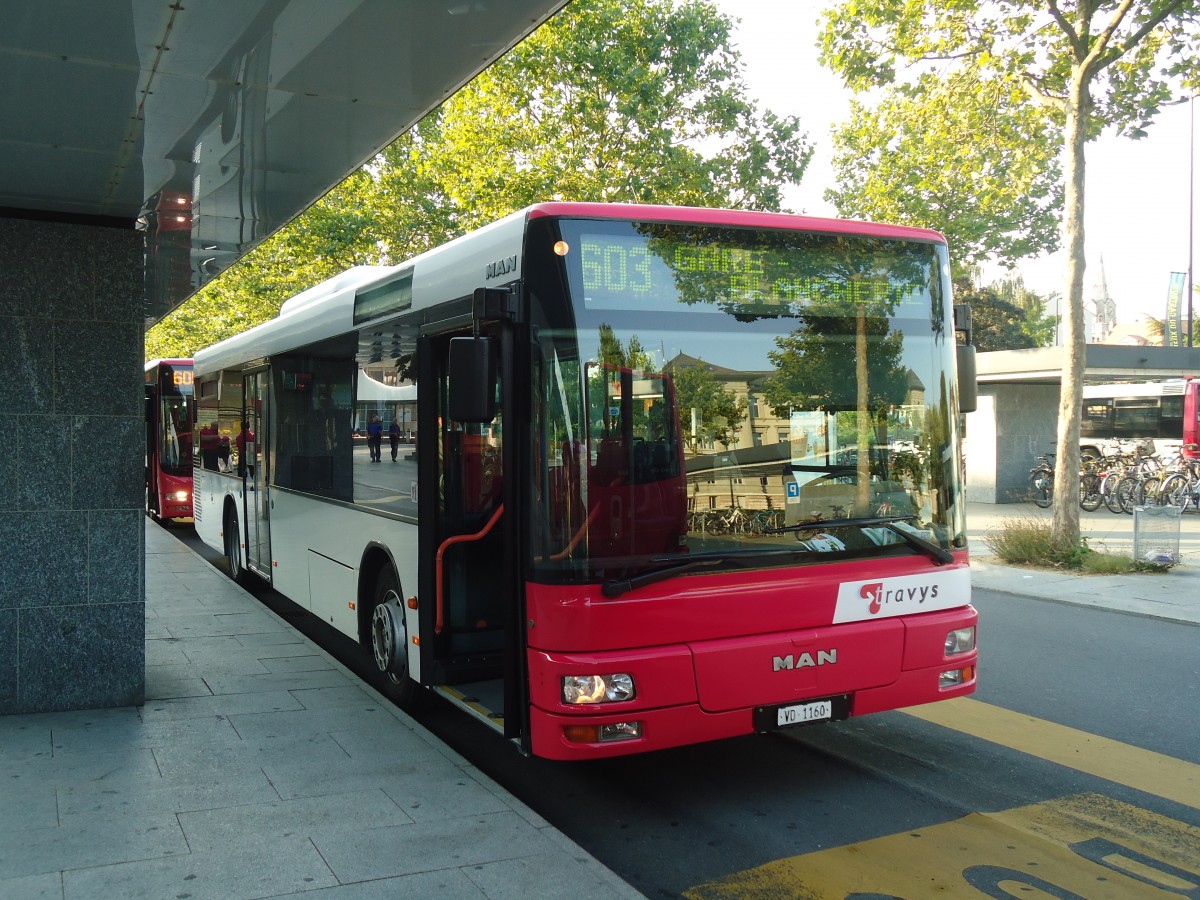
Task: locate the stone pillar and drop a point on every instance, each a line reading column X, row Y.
column 72, row 582
column 1013, row 424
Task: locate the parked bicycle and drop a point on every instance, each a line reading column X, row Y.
column 1041, row 481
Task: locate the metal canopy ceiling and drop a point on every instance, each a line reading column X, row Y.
column 211, row 123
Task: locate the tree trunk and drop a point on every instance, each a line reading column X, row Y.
column 1065, row 524
column 862, row 499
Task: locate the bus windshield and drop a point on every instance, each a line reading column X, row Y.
column 175, row 416
column 746, row 397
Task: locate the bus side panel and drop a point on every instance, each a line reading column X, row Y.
column 208, row 503
column 304, row 527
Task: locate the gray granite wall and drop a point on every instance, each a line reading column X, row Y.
column 1013, row 424
column 72, row 587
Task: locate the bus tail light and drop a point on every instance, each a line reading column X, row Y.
column 961, row 640
column 956, row 677
column 602, row 734
column 583, row 690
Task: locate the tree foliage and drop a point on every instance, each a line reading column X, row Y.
column 971, row 156
column 638, row 101
column 996, row 323
column 1088, row 64
column 1035, row 320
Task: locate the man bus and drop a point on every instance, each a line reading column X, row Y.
column 588, row 379
column 170, row 420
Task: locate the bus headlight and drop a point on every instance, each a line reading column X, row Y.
column 961, row 640
column 580, row 690
column 180, row 496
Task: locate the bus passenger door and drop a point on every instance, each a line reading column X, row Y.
column 251, row 443
column 472, row 545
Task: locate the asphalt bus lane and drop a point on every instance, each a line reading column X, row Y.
column 1082, row 845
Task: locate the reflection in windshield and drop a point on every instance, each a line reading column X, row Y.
column 780, row 379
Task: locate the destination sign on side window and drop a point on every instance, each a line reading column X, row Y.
column 635, row 273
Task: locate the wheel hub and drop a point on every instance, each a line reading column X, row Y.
column 388, row 635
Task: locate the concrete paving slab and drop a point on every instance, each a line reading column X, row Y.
column 211, row 705
column 432, row 845
column 98, row 803
column 81, row 845
column 258, row 869
column 225, row 828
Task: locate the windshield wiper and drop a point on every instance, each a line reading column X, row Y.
column 615, row 587
column 939, row 554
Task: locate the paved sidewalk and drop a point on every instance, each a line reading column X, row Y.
column 258, row 767
column 1173, row 595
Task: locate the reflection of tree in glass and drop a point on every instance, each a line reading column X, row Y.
column 710, row 412
column 633, row 356
column 612, row 356
column 845, row 357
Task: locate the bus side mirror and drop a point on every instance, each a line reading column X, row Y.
column 472, row 379
column 968, row 389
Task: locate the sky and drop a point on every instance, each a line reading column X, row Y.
column 1136, row 214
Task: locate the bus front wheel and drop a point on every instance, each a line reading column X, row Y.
column 389, row 642
column 233, row 548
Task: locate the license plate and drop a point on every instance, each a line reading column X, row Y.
column 800, row 713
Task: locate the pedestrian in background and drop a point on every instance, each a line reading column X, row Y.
column 375, row 438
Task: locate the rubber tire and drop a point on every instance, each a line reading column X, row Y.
column 1089, row 493
column 1149, row 492
column 393, row 683
column 1041, row 488
column 1111, row 500
column 1127, row 489
column 233, row 550
column 1174, row 490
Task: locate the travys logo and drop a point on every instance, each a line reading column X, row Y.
column 878, row 594
column 878, row 598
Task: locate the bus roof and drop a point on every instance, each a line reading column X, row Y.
column 455, row 269
column 1134, row 390
column 742, row 218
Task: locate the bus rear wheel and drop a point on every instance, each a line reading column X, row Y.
column 388, row 642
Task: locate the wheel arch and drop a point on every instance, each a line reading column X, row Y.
column 376, row 557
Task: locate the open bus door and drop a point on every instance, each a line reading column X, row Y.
column 251, row 444
column 471, row 569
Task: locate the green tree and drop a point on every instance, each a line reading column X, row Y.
column 1035, row 321
column 971, row 157
column 1089, row 64
column 996, row 323
column 639, row 101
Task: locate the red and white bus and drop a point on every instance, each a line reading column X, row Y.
column 594, row 388
column 1166, row 413
column 170, row 420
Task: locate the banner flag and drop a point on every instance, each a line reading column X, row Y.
column 1173, row 335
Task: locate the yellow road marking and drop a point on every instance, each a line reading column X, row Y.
column 1144, row 770
column 1085, row 846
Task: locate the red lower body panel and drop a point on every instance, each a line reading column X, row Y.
column 707, row 690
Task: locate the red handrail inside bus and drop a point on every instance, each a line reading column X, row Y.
column 446, row 544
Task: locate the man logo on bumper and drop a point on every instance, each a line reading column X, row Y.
column 805, row 660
